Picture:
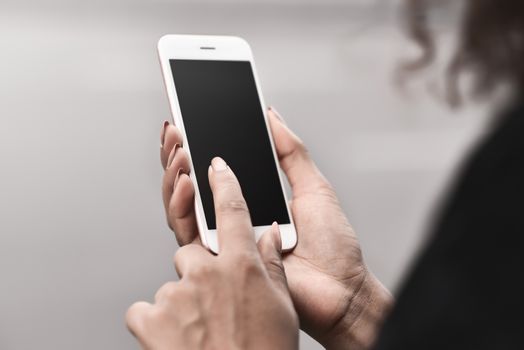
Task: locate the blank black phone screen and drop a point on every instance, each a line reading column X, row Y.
column 223, row 117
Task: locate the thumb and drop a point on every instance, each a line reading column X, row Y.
column 294, row 158
column 270, row 249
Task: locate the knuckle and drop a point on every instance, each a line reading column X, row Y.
column 186, row 293
column 325, row 189
column 275, row 269
column 201, row 271
column 274, row 265
column 132, row 314
column 233, row 206
column 167, row 188
column 299, row 150
column 171, row 291
column 181, row 254
column 252, row 271
column 301, row 147
column 180, row 161
column 173, row 134
column 154, row 317
column 178, row 134
column 178, row 256
column 168, row 291
column 227, row 183
column 245, row 257
column 170, row 224
column 170, row 218
column 246, row 263
column 185, row 252
column 184, row 157
column 135, row 315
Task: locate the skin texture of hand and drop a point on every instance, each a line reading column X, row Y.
column 339, row 302
column 238, row 299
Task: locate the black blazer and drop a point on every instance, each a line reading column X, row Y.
column 466, row 290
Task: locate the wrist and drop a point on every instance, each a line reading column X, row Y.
column 370, row 304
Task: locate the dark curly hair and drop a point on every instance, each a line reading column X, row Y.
column 491, row 44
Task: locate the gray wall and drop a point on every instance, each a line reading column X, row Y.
column 82, row 230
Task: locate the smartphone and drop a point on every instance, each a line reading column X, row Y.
column 215, row 100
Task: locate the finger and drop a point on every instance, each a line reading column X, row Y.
column 170, row 136
column 181, row 215
column 178, row 196
column 178, row 163
column 190, row 258
column 270, row 248
column 135, row 316
column 165, row 124
column 294, row 158
column 166, row 291
column 234, row 228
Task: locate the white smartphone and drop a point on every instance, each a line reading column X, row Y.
column 215, row 100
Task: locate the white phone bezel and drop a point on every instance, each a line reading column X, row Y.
column 226, row 48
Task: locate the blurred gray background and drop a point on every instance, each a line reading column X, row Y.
column 82, row 229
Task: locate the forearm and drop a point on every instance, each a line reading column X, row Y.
column 359, row 328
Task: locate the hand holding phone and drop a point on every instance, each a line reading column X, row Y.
column 236, row 300
column 326, row 275
column 329, row 283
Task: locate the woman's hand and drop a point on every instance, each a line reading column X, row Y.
column 236, row 300
column 339, row 302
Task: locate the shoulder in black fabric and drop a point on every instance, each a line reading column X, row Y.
column 466, row 289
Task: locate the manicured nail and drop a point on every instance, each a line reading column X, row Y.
column 177, row 177
column 278, row 115
column 276, row 231
column 163, row 133
column 172, row 155
column 218, row 164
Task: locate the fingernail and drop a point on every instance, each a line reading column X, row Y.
column 218, row 164
column 163, row 133
column 172, row 155
column 278, row 115
column 177, row 177
column 276, row 231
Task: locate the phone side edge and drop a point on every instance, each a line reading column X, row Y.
column 167, row 77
